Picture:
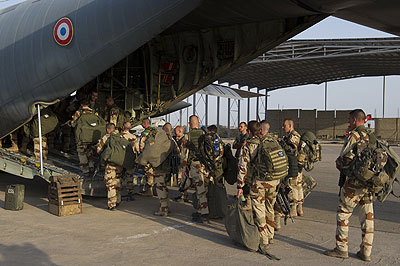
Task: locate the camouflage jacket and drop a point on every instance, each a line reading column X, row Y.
column 111, row 114
column 292, row 139
column 103, row 140
column 132, row 139
column 248, row 152
column 347, row 154
column 82, row 110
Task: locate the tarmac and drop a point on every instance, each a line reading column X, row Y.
column 132, row 235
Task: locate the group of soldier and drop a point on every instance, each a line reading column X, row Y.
column 193, row 172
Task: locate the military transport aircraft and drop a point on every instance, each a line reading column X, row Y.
column 149, row 54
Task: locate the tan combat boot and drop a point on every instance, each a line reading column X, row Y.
column 293, row 211
column 300, row 210
column 337, row 253
column 363, row 257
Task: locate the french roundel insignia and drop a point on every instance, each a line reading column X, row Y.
column 281, row 154
column 63, row 31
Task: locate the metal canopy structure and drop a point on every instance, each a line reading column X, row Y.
column 301, row 62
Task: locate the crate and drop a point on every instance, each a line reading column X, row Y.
column 14, row 197
column 65, row 196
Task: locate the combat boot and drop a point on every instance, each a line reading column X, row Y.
column 161, row 213
column 363, row 257
column 300, row 210
column 337, row 253
column 293, row 211
column 148, row 192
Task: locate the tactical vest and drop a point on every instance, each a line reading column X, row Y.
column 48, row 122
column 291, row 154
column 311, row 149
column 195, row 136
column 270, row 161
column 119, row 151
column 89, row 128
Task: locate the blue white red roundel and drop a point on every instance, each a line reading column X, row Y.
column 63, row 31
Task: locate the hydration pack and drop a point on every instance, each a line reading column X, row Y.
column 270, row 161
column 89, row 128
column 311, row 149
column 118, row 150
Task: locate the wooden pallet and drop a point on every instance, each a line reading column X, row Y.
column 65, row 196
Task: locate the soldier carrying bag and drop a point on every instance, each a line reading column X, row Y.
column 156, row 150
column 49, row 122
column 119, row 151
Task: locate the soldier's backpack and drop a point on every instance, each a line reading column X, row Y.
column 118, row 150
column 48, row 120
column 270, row 161
column 230, row 166
column 210, row 150
column 311, row 148
column 157, row 149
column 89, row 128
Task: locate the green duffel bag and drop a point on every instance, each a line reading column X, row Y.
column 240, row 226
column 119, row 151
column 48, row 120
column 217, row 201
column 156, row 150
column 89, row 129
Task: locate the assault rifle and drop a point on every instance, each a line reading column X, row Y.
column 199, row 157
column 283, row 201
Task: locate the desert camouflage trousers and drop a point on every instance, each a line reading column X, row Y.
column 85, row 155
column 112, row 179
column 199, row 176
column 149, row 171
column 263, row 197
column 184, row 181
column 131, row 180
column 296, row 195
column 36, row 148
column 352, row 194
column 160, row 180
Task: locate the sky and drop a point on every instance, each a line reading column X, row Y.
column 365, row 93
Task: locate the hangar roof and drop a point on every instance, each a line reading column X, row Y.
column 301, row 62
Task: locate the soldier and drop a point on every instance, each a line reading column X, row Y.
column 85, row 152
column 354, row 191
column 112, row 172
column 197, row 171
column 167, row 127
column 129, row 173
column 148, row 169
column 262, row 192
column 94, row 104
column 183, row 175
column 112, row 112
column 240, row 140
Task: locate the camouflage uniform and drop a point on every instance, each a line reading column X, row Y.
column 85, row 152
column 160, row 181
column 129, row 173
column 199, row 177
column 147, row 168
column 111, row 114
column 112, row 177
column 262, row 193
column 295, row 183
column 183, row 175
column 352, row 193
column 36, row 148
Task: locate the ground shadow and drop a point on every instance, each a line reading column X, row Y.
column 301, row 244
column 25, row 254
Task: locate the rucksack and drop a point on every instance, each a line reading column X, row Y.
column 118, row 150
column 157, row 149
column 270, row 161
column 48, row 120
column 89, row 128
column 311, row 149
column 210, row 150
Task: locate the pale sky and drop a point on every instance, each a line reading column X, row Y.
column 365, row 93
